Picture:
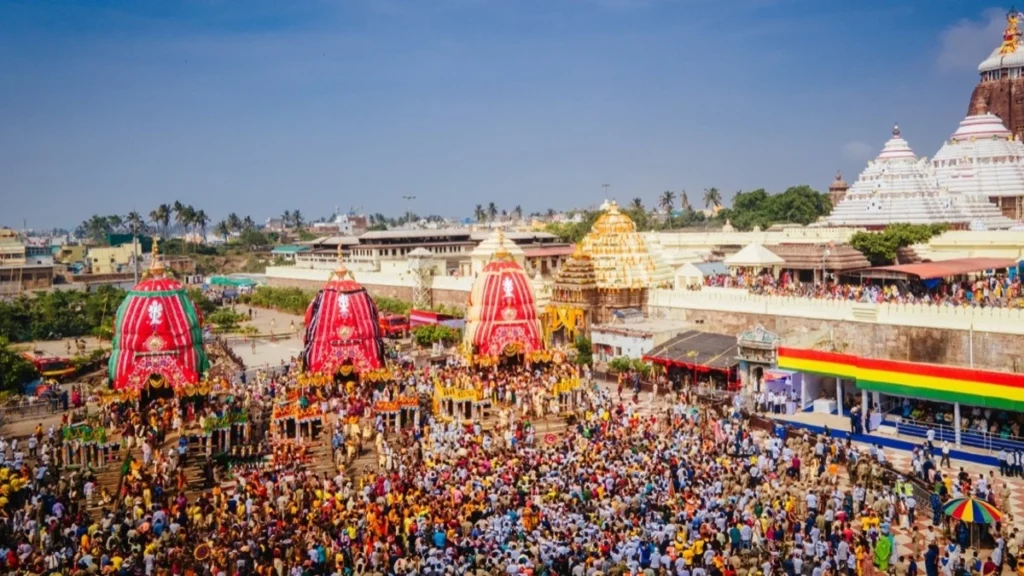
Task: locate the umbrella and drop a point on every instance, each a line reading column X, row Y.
column 972, row 511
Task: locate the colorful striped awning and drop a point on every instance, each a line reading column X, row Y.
column 927, row 381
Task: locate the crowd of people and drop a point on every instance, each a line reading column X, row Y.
column 677, row 487
column 997, row 290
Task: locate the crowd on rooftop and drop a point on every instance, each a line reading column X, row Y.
column 674, row 488
column 999, row 290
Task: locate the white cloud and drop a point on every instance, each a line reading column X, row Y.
column 858, row 152
column 965, row 44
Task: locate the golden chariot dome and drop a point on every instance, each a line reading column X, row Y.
column 621, row 257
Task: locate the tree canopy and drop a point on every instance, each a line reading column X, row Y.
column 15, row 370
column 880, row 248
column 59, row 314
column 797, row 205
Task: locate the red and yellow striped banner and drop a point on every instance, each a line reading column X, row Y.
column 928, row 381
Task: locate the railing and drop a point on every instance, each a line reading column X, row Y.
column 739, row 300
column 969, row 438
column 25, row 411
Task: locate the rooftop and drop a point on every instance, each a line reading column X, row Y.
column 982, row 158
column 646, row 327
column 900, row 187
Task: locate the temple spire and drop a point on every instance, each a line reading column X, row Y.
column 156, row 267
column 501, row 253
column 341, row 271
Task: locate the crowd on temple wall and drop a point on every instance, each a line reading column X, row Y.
column 997, row 291
column 671, row 488
column 997, row 423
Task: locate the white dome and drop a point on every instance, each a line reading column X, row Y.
column 999, row 61
column 900, row 187
column 981, row 158
column 1009, row 54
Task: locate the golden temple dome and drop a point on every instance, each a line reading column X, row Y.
column 621, row 256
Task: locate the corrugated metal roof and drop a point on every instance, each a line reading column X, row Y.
column 942, row 269
column 289, row 249
column 711, row 268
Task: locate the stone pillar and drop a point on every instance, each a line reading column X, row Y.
column 839, row 395
column 956, row 423
column 864, row 410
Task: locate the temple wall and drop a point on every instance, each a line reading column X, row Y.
column 938, row 335
column 447, row 290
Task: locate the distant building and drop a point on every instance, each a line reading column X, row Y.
column 112, row 259
column 17, row 274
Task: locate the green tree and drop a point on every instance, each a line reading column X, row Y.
column 684, row 201
column 584, row 351
column 136, row 225
column 200, row 220
column 297, row 218
column 572, row 232
column 492, row 211
column 234, row 222
column 881, row 248
column 479, row 213
column 518, row 211
column 712, row 197
column 15, row 370
column 222, row 229
column 667, row 201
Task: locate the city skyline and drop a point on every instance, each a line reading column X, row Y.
column 257, row 108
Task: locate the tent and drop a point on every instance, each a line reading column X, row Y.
column 230, row 281
column 694, row 273
column 754, row 255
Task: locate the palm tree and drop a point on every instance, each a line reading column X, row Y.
column 637, row 204
column 182, row 216
column 684, row 201
column 116, row 222
column 286, row 218
column 247, row 223
column 551, row 213
column 156, row 216
column 200, row 220
column 492, row 211
column 162, row 217
column 480, row 213
column 712, row 197
column 234, row 222
column 518, row 211
column 223, row 229
column 297, row 218
column 667, row 200
column 136, row 225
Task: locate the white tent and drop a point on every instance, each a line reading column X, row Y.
column 693, row 274
column 754, row 255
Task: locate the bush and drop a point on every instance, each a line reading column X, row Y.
column 203, row 304
column 584, row 351
column 623, row 364
column 290, row 300
column 226, row 319
column 429, row 335
column 388, row 305
column 58, row 314
column 15, row 370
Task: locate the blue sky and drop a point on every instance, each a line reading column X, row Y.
column 260, row 106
